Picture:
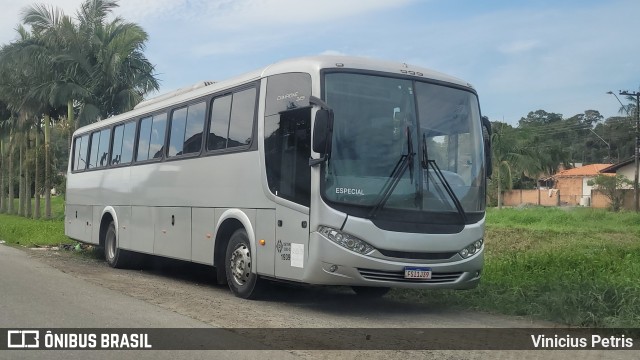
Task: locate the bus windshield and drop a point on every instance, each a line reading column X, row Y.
column 374, row 167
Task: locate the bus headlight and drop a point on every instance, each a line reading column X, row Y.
column 345, row 240
column 471, row 249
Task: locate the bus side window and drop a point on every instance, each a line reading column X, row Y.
column 158, row 128
column 93, row 152
column 194, row 128
column 143, row 139
column 219, row 126
column 187, row 124
column 103, row 148
column 99, row 149
column 128, row 140
column 80, row 152
column 241, row 121
column 123, row 138
column 116, row 148
column 176, row 135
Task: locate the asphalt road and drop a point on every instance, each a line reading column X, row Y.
column 54, row 289
column 35, row 295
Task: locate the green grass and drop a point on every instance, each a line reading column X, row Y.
column 28, row 232
column 573, row 266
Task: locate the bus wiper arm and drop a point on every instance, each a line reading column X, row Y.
column 406, row 161
column 425, row 165
column 448, row 189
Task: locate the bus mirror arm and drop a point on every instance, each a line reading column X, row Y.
column 313, row 100
column 322, row 132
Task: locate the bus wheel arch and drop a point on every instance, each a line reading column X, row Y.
column 230, row 222
column 107, row 218
column 108, row 239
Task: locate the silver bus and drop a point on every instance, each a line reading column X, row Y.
column 319, row 170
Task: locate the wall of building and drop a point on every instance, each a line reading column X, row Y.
column 599, row 200
column 530, row 197
column 570, row 190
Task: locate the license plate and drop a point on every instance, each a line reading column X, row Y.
column 417, row 273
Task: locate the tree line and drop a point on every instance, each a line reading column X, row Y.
column 61, row 73
column 543, row 142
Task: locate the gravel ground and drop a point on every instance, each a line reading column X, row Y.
column 190, row 290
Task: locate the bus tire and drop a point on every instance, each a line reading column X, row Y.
column 370, row 292
column 238, row 264
column 115, row 257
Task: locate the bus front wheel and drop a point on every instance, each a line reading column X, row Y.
column 238, row 265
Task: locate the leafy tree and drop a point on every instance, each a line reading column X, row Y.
column 612, row 187
column 539, row 118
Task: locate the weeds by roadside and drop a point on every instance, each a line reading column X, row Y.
column 577, row 267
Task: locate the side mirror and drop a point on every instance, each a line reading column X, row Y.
column 322, row 129
column 322, row 134
column 486, row 125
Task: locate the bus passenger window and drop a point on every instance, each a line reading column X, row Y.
column 103, row 148
column 219, row 126
column 241, row 122
column 187, row 125
column 80, row 152
column 143, row 139
column 116, row 148
column 93, row 152
column 176, row 137
column 194, row 128
column 122, row 149
column 128, row 139
column 156, row 145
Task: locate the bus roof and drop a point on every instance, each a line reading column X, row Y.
column 309, row 64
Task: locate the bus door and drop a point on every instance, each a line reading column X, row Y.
column 288, row 161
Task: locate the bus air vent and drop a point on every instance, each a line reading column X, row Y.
column 383, row 275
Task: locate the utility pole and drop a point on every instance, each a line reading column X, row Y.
column 635, row 148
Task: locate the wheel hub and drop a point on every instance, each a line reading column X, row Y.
column 241, row 264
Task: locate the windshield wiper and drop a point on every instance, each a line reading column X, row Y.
column 426, row 162
column 406, row 161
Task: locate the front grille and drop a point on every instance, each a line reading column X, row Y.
column 417, row 255
column 436, row 278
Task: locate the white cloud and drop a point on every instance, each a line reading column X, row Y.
column 519, row 46
column 11, row 15
column 246, row 14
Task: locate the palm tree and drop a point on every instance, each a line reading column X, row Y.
column 93, row 67
column 5, row 114
column 24, row 66
column 102, row 64
column 98, row 65
column 509, row 155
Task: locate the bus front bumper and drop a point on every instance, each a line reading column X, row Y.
column 331, row 264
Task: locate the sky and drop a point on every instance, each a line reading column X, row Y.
column 560, row 56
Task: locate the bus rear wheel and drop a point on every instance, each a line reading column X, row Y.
column 116, row 257
column 370, row 292
column 238, row 265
